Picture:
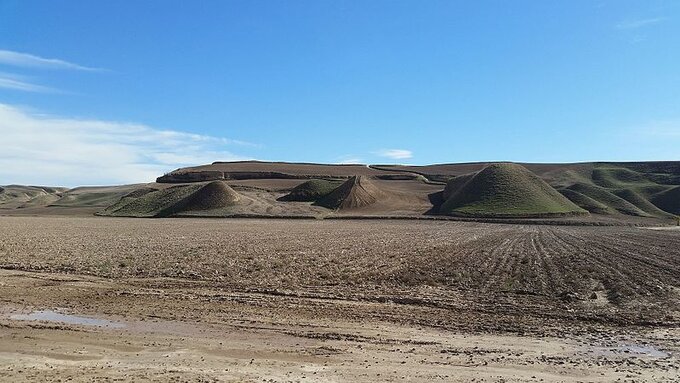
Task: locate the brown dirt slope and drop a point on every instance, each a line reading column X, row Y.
column 214, row 195
column 358, row 191
column 242, row 170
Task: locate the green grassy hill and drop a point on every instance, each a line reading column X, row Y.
column 636, row 189
column 668, row 200
column 505, row 190
column 173, row 200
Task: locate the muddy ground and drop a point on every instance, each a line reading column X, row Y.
column 307, row 300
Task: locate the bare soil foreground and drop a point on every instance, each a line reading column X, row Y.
column 108, row 299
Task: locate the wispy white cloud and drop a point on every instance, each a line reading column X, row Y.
column 41, row 149
column 395, row 154
column 28, row 60
column 639, row 23
column 10, row 82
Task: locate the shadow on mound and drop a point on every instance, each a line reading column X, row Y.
column 505, row 190
column 311, row 190
column 356, row 192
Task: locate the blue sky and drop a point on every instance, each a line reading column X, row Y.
column 95, row 92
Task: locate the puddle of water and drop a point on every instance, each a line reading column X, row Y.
column 636, row 350
column 630, row 351
column 53, row 316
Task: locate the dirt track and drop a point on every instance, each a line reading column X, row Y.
column 359, row 296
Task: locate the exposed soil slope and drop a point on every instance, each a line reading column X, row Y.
column 505, row 190
column 358, row 191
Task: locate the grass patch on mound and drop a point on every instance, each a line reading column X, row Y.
column 505, row 190
column 641, row 203
column 311, row 190
column 174, row 200
column 618, row 178
column 608, row 198
column 586, row 202
column 151, row 203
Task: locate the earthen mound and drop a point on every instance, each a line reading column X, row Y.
column 505, row 190
column 356, row 192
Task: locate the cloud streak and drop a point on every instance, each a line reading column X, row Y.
column 48, row 150
column 395, row 154
column 636, row 24
column 10, row 82
column 32, row 61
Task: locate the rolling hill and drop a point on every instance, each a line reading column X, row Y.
column 644, row 192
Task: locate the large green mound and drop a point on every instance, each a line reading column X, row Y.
column 311, row 190
column 356, row 192
column 174, row 200
column 505, row 190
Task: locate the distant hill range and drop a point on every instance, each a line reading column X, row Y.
column 644, row 192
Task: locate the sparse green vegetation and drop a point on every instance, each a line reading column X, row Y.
column 586, row 202
column 311, row 190
column 668, row 200
column 173, row 200
column 505, row 190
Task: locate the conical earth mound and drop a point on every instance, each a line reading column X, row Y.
column 505, row 190
column 356, row 192
column 167, row 202
column 311, row 190
column 214, row 195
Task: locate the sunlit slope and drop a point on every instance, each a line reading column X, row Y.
column 643, row 190
column 356, row 192
column 505, row 190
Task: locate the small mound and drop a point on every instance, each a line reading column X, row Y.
column 505, row 190
column 668, row 200
column 214, row 195
column 311, row 190
column 167, row 202
column 150, row 203
column 641, row 203
column 617, row 177
column 585, row 202
column 356, row 192
column 607, row 198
